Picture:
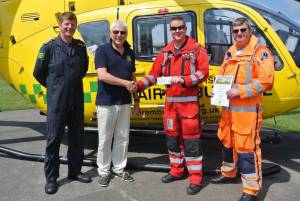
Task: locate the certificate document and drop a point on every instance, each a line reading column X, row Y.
column 221, row 85
column 163, row 80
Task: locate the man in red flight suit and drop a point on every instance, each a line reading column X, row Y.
column 186, row 62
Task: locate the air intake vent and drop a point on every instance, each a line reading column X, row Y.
column 30, row 17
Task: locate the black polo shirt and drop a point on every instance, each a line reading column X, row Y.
column 121, row 66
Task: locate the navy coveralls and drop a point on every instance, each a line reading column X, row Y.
column 60, row 67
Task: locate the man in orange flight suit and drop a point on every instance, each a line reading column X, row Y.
column 186, row 62
column 252, row 67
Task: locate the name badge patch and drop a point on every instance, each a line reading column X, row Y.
column 128, row 58
column 170, row 123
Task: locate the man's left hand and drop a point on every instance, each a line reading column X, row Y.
column 233, row 92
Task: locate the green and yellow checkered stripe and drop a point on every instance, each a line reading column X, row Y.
column 32, row 93
column 90, row 91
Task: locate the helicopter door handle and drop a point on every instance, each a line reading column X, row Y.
column 56, row 28
column 91, row 74
column 294, row 75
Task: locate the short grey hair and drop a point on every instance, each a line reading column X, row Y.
column 240, row 21
column 118, row 23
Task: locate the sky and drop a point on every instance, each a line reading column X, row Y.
column 290, row 8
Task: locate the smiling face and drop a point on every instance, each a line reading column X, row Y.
column 241, row 34
column 118, row 35
column 67, row 28
column 178, row 30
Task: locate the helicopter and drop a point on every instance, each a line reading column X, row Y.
column 26, row 24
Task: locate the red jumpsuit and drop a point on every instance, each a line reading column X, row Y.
column 181, row 113
column 253, row 69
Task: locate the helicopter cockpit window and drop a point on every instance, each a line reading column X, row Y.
column 94, row 34
column 289, row 34
column 218, row 35
column 151, row 33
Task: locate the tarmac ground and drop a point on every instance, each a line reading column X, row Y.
column 22, row 180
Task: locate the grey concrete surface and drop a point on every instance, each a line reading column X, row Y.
column 24, row 180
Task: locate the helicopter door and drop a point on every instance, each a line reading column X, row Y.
column 150, row 35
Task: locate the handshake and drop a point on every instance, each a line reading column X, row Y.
column 131, row 86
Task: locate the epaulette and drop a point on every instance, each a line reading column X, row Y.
column 80, row 43
column 48, row 41
column 200, row 48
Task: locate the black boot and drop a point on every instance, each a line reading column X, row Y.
column 80, row 177
column 51, row 187
column 247, row 197
column 223, row 180
column 193, row 189
column 169, row 178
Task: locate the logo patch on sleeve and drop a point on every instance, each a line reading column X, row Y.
column 228, row 56
column 41, row 55
column 264, row 55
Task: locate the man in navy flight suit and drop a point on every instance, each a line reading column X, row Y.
column 60, row 67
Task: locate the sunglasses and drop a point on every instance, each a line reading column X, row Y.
column 117, row 32
column 242, row 30
column 181, row 27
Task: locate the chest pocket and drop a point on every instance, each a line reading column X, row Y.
column 244, row 71
column 55, row 67
column 186, row 64
column 79, row 62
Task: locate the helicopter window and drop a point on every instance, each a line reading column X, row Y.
column 218, row 35
column 288, row 33
column 94, row 34
column 151, row 33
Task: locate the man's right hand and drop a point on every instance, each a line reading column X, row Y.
column 132, row 87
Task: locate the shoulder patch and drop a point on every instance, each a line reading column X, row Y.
column 264, row 54
column 41, row 55
column 228, row 56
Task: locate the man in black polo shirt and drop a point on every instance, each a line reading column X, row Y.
column 115, row 67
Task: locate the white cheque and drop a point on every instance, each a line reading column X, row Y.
column 163, row 80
